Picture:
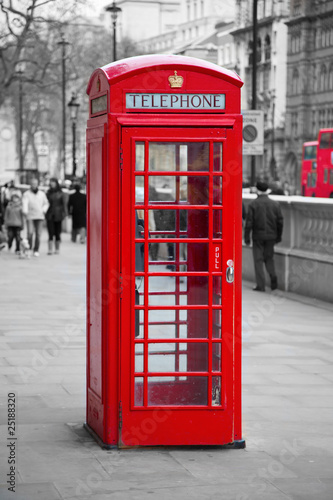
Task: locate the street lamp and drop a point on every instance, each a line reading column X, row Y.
column 114, row 14
column 63, row 44
column 20, row 71
column 74, row 108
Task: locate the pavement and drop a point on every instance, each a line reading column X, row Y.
column 287, row 400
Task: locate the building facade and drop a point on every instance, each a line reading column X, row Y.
column 195, row 33
column 309, row 105
column 271, row 77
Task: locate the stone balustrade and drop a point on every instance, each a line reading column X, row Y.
column 304, row 258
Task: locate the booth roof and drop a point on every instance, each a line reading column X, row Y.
column 132, row 65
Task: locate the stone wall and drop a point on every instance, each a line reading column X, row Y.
column 304, row 258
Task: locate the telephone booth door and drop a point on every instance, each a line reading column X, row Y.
column 178, row 292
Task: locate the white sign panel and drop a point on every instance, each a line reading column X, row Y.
column 174, row 101
column 253, row 132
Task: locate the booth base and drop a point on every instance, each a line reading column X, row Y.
column 98, row 440
column 240, row 444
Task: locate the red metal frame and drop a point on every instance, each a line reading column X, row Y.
column 218, row 420
column 112, row 413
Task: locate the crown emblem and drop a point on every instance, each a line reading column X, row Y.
column 176, row 82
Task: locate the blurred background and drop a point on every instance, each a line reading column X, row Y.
column 49, row 48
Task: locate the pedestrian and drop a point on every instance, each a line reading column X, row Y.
column 264, row 219
column 34, row 205
column 10, row 189
column 77, row 208
column 14, row 222
column 57, row 211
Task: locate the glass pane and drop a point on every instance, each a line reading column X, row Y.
column 217, row 223
column 162, row 156
column 178, row 257
column 139, row 156
column 217, row 157
column 166, row 156
column 198, row 156
column 325, row 140
column 171, row 324
column 198, row 190
column 139, row 322
column 178, row 391
column 138, row 358
column 138, row 391
column 216, row 391
column 181, row 223
column 139, row 257
column 162, row 188
column 164, row 357
column 217, row 323
column 216, row 364
column 139, row 189
column 159, row 299
column 217, row 190
column 162, row 283
column 197, row 290
column 217, row 290
column 139, row 290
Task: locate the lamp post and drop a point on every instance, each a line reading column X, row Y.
column 74, row 108
column 254, row 80
column 114, row 15
column 20, row 71
column 63, row 44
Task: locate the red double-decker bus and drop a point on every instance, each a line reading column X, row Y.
column 317, row 166
column 309, row 168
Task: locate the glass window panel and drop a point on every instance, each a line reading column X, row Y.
column 216, row 391
column 198, row 190
column 139, row 156
column 162, row 188
column 217, row 323
column 183, row 157
column 139, row 323
column 196, row 255
column 217, row 223
column 162, row 283
column 139, row 290
column 181, row 391
column 165, row 220
column 183, row 188
column 138, row 391
column 139, row 257
column 216, row 362
column 217, row 157
column 217, row 290
column 198, row 156
column 138, row 358
column 139, row 189
column 162, row 156
column 197, row 290
column 162, row 300
column 188, row 223
column 169, row 324
column 166, row 156
column 217, row 190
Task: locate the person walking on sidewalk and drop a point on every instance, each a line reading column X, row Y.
column 77, row 207
column 14, row 221
column 56, row 213
column 34, row 206
column 265, row 221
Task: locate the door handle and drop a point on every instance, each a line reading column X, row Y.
column 230, row 273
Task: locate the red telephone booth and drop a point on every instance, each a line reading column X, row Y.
column 164, row 253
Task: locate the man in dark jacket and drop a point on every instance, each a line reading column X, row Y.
column 77, row 207
column 264, row 219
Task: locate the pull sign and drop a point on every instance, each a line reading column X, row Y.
column 217, row 257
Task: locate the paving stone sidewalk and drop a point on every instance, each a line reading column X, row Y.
column 287, row 400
